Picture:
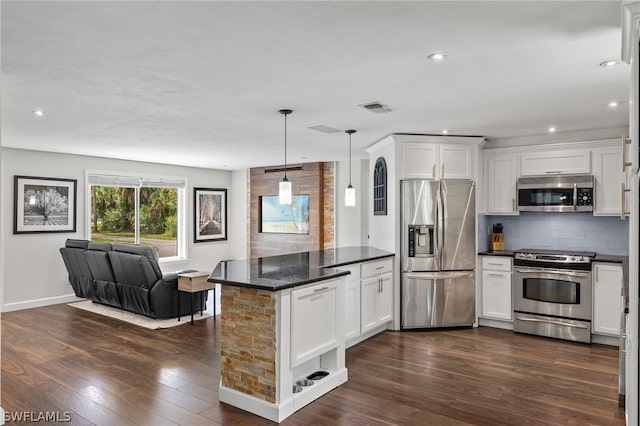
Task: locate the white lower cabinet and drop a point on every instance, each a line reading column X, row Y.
column 352, row 302
column 607, row 287
column 314, row 329
column 368, row 299
column 496, row 287
column 376, row 301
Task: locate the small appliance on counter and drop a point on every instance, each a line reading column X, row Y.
column 497, row 238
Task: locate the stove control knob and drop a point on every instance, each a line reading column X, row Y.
column 529, row 255
column 581, row 258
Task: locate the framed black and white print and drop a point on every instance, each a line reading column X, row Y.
column 42, row 204
column 210, row 211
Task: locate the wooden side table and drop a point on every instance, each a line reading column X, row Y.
column 195, row 282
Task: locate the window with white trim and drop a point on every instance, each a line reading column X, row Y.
column 138, row 210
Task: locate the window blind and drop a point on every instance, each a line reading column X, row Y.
column 102, row 179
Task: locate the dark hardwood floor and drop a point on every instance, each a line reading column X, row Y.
column 103, row 371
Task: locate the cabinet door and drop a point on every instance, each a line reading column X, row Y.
column 496, row 295
column 607, row 170
column 419, row 160
column 368, row 299
column 313, row 321
column 555, row 162
column 607, row 285
column 456, row 162
column 352, row 309
column 500, row 184
column 384, row 307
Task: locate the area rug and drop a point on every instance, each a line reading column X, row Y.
column 136, row 319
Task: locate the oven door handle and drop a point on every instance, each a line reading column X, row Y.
column 552, row 322
column 553, row 271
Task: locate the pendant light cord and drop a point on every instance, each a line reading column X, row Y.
column 285, row 112
column 349, row 159
column 349, row 132
column 285, row 146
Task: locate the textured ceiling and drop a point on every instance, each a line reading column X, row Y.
column 200, row 83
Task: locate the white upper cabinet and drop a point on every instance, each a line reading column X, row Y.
column 543, row 162
column 456, row 162
column 501, row 174
column 420, row 161
column 607, row 171
column 438, row 161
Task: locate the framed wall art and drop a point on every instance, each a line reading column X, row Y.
column 279, row 218
column 43, row 204
column 210, row 210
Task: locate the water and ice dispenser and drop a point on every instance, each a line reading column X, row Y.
column 420, row 240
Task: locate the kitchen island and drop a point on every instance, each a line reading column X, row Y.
column 282, row 322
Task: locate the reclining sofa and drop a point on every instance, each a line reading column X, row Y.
column 125, row 276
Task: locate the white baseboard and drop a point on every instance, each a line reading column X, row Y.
column 36, row 303
column 488, row 322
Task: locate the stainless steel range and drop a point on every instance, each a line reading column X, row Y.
column 552, row 293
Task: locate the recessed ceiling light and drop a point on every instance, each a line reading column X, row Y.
column 38, row 112
column 612, row 104
column 609, row 63
column 445, row 131
column 552, row 129
column 437, row 56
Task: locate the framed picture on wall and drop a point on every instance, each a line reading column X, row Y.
column 210, row 214
column 279, row 218
column 42, row 204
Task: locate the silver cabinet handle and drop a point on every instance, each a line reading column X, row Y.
column 442, row 176
column 320, row 289
column 379, row 267
column 494, row 264
column 496, row 275
column 434, row 170
column 554, row 172
column 552, row 322
column 513, row 204
column 625, row 141
column 623, row 201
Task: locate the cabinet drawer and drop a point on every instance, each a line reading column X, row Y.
column 376, row 268
column 496, row 263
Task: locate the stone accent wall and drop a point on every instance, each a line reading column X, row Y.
column 248, row 341
column 329, row 216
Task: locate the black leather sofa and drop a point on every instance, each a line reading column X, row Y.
column 125, row 276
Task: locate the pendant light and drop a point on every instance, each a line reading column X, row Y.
column 350, row 191
column 284, row 190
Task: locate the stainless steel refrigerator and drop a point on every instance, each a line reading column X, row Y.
column 438, row 253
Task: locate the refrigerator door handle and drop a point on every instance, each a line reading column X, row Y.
column 439, row 225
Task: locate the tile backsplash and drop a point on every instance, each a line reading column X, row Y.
column 564, row 231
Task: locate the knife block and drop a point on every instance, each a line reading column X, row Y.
column 496, row 242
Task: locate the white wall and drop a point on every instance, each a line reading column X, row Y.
column 34, row 273
column 351, row 222
column 238, row 210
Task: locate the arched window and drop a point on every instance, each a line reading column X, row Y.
column 380, row 188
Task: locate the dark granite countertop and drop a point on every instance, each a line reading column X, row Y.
column 610, row 258
column 275, row 273
column 508, row 253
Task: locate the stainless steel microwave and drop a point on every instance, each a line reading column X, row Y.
column 561, row 193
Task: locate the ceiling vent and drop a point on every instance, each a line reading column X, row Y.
column 376, row 107
column 325, row 129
